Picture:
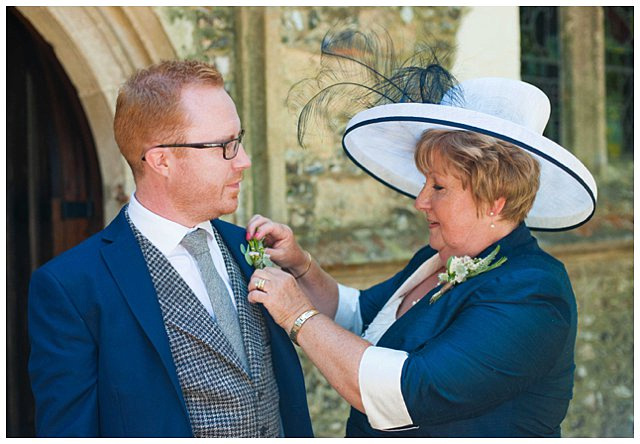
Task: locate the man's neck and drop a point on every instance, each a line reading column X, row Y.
column 161, row 206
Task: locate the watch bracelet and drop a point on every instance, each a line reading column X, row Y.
column 298, row 323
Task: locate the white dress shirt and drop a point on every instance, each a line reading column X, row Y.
column 380, row 371
column 166, row 236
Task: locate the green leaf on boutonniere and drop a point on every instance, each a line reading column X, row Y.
column 254, row 254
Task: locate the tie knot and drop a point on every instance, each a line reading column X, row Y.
column 196, row 242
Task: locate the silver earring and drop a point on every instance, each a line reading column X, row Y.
column 492, row 225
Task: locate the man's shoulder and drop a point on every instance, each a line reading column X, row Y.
column 85, row 254
column 82, row 255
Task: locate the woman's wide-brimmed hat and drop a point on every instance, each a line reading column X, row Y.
column 382, row 141
column 392, row 103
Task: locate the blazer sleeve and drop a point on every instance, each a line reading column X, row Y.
column 63, row 362
column 504, row 339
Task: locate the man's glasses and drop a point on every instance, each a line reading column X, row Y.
column 229, row 148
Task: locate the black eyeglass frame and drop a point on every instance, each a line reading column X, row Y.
column 205, row 145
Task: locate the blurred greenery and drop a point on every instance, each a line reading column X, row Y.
column 603, row 390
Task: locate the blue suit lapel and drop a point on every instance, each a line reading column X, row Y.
column 124, row 260
column 233, row 236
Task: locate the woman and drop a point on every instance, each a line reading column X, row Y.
column 492, row 356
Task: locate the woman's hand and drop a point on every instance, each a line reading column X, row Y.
column 280, row 294
column 282, row 247
column 334, row 350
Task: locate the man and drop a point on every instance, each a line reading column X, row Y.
column 144, row 329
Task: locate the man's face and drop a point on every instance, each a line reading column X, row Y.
column 204, row 185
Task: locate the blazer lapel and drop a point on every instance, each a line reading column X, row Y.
column 233, row 238
column 425, row 270
column 123, row 258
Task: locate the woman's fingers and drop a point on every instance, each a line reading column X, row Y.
column 256, row 297
column 280, row 295
column 263, row 228
column 258, row 280
column 272, row 280
column 254, row 223
column 259, row 226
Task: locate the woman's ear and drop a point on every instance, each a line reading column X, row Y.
column 496, row 208
column 158, row 161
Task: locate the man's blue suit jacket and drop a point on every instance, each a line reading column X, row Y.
column 493, row 357
column 100, row 361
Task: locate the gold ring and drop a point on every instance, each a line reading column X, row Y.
column 260, row 284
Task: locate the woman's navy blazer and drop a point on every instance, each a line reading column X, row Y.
column 493, row 357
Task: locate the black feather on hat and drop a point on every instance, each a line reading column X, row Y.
column 390, row 105
column 361, row 70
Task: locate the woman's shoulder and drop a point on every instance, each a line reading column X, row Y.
column 536, row 260
column 530, row 271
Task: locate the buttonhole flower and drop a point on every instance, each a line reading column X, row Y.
column 254, row 254
column 459, row 269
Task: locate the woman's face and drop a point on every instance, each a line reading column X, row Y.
column 455, row 227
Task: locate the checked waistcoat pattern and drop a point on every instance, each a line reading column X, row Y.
column 222, row 398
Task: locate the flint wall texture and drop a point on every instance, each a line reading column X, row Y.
column 364, row 232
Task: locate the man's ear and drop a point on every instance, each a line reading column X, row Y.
column 158, row 161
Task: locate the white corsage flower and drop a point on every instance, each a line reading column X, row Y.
column 459, row 269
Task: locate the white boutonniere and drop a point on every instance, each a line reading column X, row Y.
column 459, row 269
column 255, row 255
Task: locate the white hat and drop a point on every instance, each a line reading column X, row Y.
column 382, row 141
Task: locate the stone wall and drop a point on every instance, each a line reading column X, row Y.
column 330, row 202
column 339, row 213
column 363, row 231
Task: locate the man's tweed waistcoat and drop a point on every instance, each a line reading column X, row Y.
column 223, row 400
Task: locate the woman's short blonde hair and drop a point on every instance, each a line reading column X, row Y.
column 491, row 167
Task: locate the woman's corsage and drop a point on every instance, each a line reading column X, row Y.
column 255, row 255
column 459, row 269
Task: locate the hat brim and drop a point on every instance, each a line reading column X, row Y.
column 382, row 141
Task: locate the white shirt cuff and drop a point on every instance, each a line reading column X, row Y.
column 348, row 313
column 379, row 379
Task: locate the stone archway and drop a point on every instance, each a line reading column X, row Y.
column 65, row 66
column 99, row 47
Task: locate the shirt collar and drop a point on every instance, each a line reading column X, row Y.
column 163, row 233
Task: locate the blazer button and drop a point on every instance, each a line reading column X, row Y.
column 263, row 431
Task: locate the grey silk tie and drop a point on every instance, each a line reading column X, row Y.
column 226, row 316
